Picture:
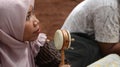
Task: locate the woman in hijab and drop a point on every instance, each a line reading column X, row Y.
column 20, row 37
column 18, row 26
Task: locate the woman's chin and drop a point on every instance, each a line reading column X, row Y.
column 33, row 38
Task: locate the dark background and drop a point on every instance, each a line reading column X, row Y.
column 52, row 14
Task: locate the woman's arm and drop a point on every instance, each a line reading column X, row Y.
column 48, row 56
column 39, row 42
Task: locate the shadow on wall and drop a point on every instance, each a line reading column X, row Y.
column 52, row 14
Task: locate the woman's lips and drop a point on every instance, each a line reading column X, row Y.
column 37, row 31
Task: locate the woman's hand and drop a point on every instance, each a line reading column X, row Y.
column 66, row 65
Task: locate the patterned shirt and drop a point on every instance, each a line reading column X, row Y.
column 99, row 17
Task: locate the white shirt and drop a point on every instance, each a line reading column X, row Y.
column 99, row 17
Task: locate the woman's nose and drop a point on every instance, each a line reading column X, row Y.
column 35, row 22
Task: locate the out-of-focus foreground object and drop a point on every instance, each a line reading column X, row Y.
column 112, row 60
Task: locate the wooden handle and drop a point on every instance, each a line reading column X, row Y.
column 62, row 57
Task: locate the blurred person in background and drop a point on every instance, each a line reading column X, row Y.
column 96, row 28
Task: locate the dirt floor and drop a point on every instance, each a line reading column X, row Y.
column 52, row 14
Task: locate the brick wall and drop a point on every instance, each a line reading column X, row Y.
column 52, row 14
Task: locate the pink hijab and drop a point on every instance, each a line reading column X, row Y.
column 13, row 51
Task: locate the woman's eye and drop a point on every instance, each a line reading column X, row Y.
column 28, row 16
column 30, row 13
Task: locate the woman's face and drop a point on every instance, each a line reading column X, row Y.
column 32, row 28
